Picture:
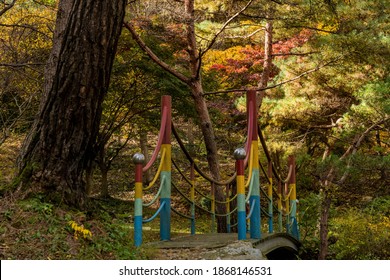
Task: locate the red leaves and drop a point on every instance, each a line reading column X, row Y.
column 245, row 64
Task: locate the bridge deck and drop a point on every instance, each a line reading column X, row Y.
column 274, row 246
column 207, row 241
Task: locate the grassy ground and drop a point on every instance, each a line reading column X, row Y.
column 32, row 228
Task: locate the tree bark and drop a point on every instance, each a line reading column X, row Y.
column 203, row 112
column 89, row 179
column 324, row 217
column 60, row 143
column 267, row 64
column 104, row 183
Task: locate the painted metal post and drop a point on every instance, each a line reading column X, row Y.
column 192, row 195
column 254, row 198
column 293, row 200
column 280, row 210
column 287, row 203
column 139, row 160
column 165, row 177
column 270, row 205
column 239, row 156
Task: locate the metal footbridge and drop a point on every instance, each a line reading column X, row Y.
column 265, row 214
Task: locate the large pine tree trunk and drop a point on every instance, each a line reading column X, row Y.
column 60, row 144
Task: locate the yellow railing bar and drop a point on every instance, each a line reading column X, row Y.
column 158, row 171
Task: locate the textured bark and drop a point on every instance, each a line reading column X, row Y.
column 104, row 183
column 324, row 217
column 267, row 64
column 203, row 112
column 89, row 179
column 60, row 144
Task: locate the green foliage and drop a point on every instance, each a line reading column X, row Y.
column 309, row 212
column 25, row 32
column 374, row 99
column 379, row 206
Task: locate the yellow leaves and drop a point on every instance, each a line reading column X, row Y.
column 382, row 226
column 80, row 231
column 26, row 31
column 327, row 28
column 213, row 57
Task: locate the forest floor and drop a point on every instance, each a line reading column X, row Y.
column 33, row 227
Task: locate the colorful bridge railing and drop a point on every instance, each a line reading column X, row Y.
column 246, row 201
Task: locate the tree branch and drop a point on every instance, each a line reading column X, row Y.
column 355, row 146
column 18, row 65
column 153, row 56
column 7, row 7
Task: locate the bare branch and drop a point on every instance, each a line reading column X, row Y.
column 314, row 28
column 153, row 56
column 6, row 7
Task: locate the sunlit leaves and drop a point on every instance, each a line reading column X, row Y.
column 25, row 42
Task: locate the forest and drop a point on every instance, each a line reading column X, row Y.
column 81, row 83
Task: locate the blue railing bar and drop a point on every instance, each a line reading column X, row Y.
column 155, row 214
column 156, row 196
column 251, row 211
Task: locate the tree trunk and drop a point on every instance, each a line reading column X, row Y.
column 324, row 217
column 60, row 144
column 104, row 183
column 267, row 64
column 203, row 112
column 89, row 179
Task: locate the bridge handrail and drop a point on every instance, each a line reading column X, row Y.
column 181, row 173
column 192, row 161
column 250, row 211
column 155, row 214
column 164, row 119
column 180, row 214
column 249, row 134
column 247, row 189
column 189, row 200
column 197, row 190
column 151, row 184
column 156, row 196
